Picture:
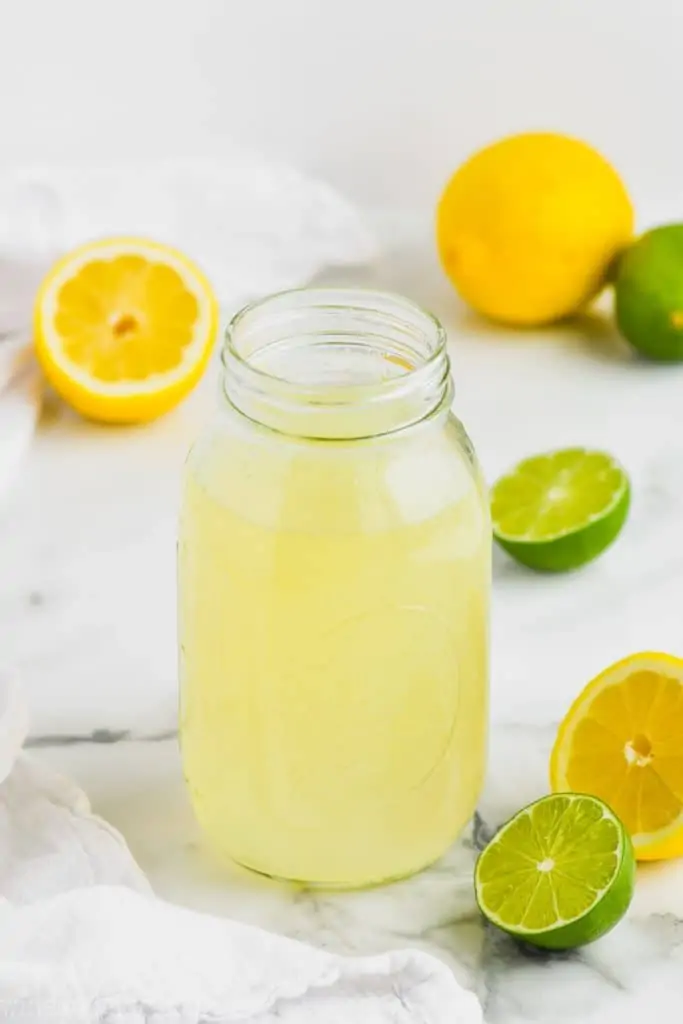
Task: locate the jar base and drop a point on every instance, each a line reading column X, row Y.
column 341, row 886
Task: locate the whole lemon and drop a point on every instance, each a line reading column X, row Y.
column 528, row 227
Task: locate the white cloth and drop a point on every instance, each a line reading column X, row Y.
column 84, row 941
column 20, row 394
column 254, row 227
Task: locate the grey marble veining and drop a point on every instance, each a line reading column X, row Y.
column 97, row 736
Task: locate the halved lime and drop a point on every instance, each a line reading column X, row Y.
column 559, row 510
column 559, row 874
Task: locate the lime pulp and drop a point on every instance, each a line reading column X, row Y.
column 559, row 874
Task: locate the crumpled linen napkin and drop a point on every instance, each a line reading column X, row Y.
column 84, row 941
column 113, row 956
column 254, row 226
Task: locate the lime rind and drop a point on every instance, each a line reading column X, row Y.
column 518, row 872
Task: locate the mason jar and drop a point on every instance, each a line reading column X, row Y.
column 334, row 595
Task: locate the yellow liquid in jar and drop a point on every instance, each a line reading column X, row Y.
column 333, row 628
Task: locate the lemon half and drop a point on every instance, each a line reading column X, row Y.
column 622, row 741
column 124, row 328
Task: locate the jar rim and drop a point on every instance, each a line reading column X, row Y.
column 382, row 322
column 340, row 294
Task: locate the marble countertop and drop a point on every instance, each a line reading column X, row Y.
column 87, row 617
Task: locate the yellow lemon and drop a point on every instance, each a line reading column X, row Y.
column 622, row 741
column 528, row 227
column 124, row 328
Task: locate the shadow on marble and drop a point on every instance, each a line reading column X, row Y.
column 596, row 337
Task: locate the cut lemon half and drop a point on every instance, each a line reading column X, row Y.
column 622, row 741
column 559, row 510
column 124, row 328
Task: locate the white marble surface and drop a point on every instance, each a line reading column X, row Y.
column 87, row 609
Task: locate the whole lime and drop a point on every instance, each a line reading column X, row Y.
column 649, row 294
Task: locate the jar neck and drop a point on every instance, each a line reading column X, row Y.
column 336, row 363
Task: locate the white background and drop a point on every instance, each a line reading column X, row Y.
column 383, row 97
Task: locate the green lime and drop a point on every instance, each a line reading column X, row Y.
column 559, row 510
column 559, row 874
column 648, row 291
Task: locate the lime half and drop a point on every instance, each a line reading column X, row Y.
column 559, row 874
column 559, row 510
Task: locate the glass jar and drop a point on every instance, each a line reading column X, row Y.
column 334, row 591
